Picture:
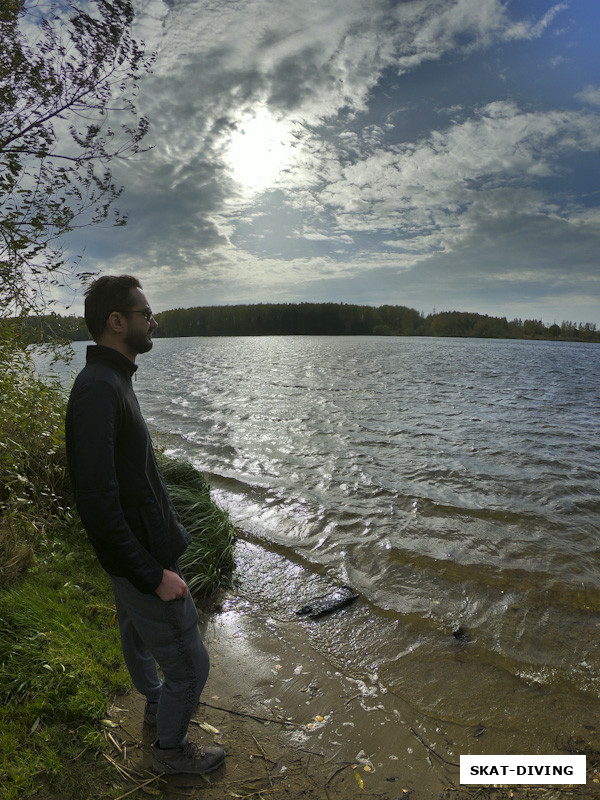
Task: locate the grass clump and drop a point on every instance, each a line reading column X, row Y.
column 60, row 664
column 208, row 562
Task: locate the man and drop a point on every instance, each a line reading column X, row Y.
column 131, row 522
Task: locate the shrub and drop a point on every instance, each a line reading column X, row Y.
column 34, row 486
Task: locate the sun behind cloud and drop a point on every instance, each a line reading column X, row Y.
column 259, row 150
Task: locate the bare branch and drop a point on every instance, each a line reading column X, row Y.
column 56, row 147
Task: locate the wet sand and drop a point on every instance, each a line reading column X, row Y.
column 346, row 737
column 271, row 668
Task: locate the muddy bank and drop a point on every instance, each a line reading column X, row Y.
column 291, row 723
column 295, row 725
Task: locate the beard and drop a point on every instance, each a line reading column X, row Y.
column 139, row 342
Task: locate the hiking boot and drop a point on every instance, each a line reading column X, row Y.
column 189, row 758
column 150, row 712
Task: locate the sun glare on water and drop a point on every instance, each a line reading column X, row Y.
column 259, row 150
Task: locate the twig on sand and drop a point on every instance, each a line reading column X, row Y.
column 140, row 786
column 266, row 759
column 121, row 770
column 344, row 766
column 114, row 742
column 354, row 697
column 431, row 750
column 251, row 716
column 310, row 752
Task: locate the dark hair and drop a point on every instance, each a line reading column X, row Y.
column 105, row 295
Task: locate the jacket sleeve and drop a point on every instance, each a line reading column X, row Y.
column 95, row 416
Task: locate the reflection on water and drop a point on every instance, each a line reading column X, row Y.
column 452, row 482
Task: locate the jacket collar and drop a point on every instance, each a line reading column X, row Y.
column 98, row 352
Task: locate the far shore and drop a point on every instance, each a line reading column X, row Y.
column 325, row 319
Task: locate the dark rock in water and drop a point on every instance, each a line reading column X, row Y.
column 328, row 602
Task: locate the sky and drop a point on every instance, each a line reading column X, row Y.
column 438, row 154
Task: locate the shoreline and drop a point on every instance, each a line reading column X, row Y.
column 337, row 719
column 295, row 726
column 346, row 735
column 291, row 723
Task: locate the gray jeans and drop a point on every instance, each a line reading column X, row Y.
column 152, row 632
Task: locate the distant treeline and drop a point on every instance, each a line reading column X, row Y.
column 326, row 319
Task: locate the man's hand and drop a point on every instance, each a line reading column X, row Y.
column 172, row 587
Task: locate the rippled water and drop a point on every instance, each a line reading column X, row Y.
column 453, row 482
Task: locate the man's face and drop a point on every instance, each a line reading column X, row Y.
column 139, row 329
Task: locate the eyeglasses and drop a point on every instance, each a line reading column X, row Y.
column 147, row 312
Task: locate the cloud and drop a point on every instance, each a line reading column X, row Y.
column 312, row 59
column 589, row 95
column 307, row 63
column 532, row 29
column 432, row 187
column 393, row 176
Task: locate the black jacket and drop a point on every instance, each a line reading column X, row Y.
column 120, row 494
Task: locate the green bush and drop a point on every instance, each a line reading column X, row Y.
column 34, row 486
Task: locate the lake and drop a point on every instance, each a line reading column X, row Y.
column 453, row 483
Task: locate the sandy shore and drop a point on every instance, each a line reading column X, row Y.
column 295, row 725
column 345, row 738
